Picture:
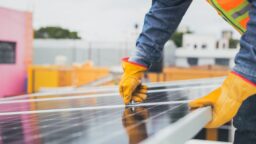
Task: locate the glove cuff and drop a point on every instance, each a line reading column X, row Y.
column 134, row 63
column 243, row 78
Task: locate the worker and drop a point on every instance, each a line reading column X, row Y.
column 160, row 23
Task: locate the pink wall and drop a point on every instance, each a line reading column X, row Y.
column 15, row 26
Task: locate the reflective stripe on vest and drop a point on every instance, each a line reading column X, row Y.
column 235, row 12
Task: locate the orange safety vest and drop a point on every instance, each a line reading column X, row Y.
column 235, row 12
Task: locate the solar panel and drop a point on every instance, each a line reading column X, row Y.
column 87, row 116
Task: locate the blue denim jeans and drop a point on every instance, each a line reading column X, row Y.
column 246, row 58
column 245, row 122
column 162, row 20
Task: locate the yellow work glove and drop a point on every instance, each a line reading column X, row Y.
column 130, row 87
column 227, row 99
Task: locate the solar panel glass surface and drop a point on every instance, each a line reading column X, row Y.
column 92, row 117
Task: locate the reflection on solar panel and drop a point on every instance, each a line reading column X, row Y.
column 97, row 115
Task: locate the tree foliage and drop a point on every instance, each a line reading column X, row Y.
column 52, row 32
column 233, row 43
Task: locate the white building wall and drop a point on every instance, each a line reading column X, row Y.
column 206, row 61
column 205, row 57
column 182, row 62
column 205, row 49
column 192, row 41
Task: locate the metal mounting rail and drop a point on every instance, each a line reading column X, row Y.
column 111, row 89
column 184, row 129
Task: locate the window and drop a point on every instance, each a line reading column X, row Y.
column 222, row 61
column 195, row 46
column 204, row 46
column 7, row 52
column 217, row 44
column 224, row 45
column 192, row 61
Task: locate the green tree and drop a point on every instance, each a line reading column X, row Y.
column 233, row 43
column 52, row 32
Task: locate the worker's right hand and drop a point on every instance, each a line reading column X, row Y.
column 227, row 99
column 130, row 87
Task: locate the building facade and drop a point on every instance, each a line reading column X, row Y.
column 200, row 50
column 16, row 36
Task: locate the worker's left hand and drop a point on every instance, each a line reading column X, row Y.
column 227, row 99
column 130, row 87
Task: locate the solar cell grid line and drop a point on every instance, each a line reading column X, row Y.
column 89, row 95
column 160, row 98
column 108, row 89
column 186, row 82
column 89, row 108
column 72, row 118
column 104, row 95
column 167, row 83
column 26, row 97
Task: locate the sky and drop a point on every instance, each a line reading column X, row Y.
column 112, row 20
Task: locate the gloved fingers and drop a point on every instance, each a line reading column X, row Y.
column 198, row 103
column 141, row 89
column 214, row 122
column 139, row 97
column 125, row 93
column 225, row 109
column 207, row 100
column 224, row 115
column 126, row 88
column 140, row 94
column 226, row 100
